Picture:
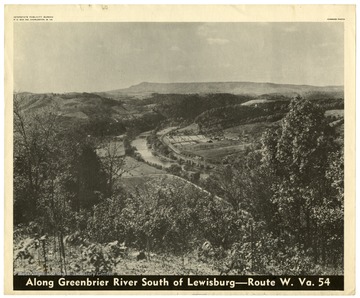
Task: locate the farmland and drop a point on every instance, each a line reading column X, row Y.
column 335, row 113
column 216, row 146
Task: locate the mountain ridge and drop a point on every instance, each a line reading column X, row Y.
column 251, row 88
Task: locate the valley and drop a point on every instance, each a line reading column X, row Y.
column 193, row 176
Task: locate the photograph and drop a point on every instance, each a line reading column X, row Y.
column 208, row 150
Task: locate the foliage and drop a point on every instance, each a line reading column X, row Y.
column 298, row 157
column 103, row 125
column 188, row 106
column 232, row 115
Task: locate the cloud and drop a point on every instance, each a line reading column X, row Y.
column 212, row 34
column 179, row 68
column 217, row 41
column 326, row 44
column 226, row 65
column 263, row 24
column 207, row 30
column 175, row 49
column 290, row 29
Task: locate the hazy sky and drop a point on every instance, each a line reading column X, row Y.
column 63, row 57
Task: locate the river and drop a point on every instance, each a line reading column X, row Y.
column 140, row 144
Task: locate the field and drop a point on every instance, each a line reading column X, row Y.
column 166, row 130
column 251, row 131
column 221, row 152
column 216, row 147
column 152, row 179
column 134, row 168
column 193, row 128
column 335, row 113
column 183, row 140
column 255, row 101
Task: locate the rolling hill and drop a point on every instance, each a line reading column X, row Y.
column 75, row 105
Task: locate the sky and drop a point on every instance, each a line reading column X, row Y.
column 89, row 57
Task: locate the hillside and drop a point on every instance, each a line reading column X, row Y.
column 78, row 105
column 101, row 115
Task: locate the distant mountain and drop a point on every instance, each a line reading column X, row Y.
column 144, row 89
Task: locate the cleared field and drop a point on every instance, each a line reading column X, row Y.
column 192, row 127
column 136, row 168
column 140, row 180
column 185, row 139
column 251, row 131
column 336, row 113
column 213, row 145
column 255, row 101
column 221, row 152
column 166, row 130
column 186, row 143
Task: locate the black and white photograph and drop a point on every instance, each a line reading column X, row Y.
column 207, row 150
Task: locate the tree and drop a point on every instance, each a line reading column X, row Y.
column 298, row 156
column 244, row 184
column 36, row 152
column 39, row 170
column 91, row 182
column 174, row 169
column 113, row 163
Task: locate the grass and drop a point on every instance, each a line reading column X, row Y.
column 153, row 178
column 134, row 168
column 221, row 152
column 336, row 113
column 193, row 127
column 184, row 139
column 253, row 130
column 235, row 140
column 255, row 101
column 163, row 265
column 127, row 264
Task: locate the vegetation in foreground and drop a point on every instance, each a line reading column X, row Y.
column 275, row 210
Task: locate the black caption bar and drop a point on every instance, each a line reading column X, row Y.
column 176, row 282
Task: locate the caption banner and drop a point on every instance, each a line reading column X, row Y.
column 176, row 282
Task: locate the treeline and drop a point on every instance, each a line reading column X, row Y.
column 328, row 103
column 229, row 116
column 274, row 110
column 188, row 106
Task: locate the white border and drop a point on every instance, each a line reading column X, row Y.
column 2, row 109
